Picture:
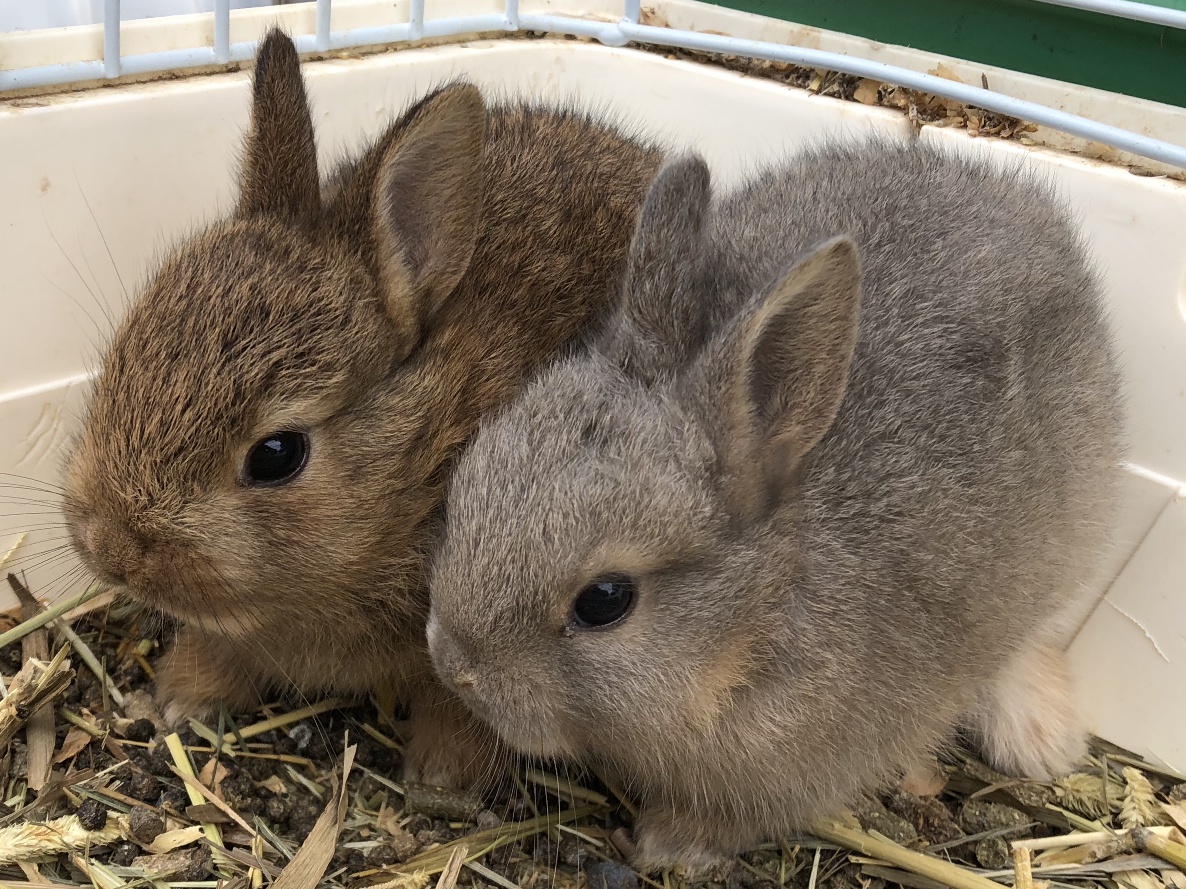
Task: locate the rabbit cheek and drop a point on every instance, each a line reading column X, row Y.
column 199, row 572
column 713, row 692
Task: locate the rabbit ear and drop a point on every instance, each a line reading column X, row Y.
column 790, row 366
column 661, row 320
column 279, row 174
column 427, row 205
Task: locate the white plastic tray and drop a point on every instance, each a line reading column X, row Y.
column 96, row 184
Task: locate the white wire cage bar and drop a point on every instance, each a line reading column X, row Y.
column 628, row 29
column 1127, row 9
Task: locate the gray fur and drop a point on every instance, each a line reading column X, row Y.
column 842, row 555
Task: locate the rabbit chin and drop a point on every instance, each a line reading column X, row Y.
column 231, row 624
column 530, row 739
column 220, row 619
column 521, row 728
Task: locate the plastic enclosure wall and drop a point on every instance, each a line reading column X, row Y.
column 98, row 183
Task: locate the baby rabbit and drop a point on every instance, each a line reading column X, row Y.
column 264, row 453
column 828, row 488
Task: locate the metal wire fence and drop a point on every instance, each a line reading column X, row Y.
column 628, row 29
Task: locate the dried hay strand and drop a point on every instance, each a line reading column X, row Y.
column 37, row 841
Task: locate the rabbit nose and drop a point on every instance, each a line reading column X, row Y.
column 115, row 551
column 448, row 657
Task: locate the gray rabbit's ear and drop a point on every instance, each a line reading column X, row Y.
column 788, row 372
column 279, row 171
column 661, row 319
column 427, row 206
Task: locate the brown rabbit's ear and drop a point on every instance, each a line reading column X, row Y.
column 790, row 367
column 661, row 319
column 279, row 174
column 427, row 206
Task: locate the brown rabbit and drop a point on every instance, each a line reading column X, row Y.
column 265, row 449
column 832, row 484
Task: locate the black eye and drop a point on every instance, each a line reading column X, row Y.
column 277, row 458
column 603, row 602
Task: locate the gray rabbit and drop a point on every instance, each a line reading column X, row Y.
column 830, row 487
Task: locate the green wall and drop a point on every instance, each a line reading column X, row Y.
column 1122, row 56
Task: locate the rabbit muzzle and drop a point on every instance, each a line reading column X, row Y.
column 510, row 702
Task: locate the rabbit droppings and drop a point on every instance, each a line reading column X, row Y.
column 265, row 449
column 829, row 487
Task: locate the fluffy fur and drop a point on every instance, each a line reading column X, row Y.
column 854, row 432
column 382, row 314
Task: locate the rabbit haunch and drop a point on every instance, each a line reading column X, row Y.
column 834, row 482
column 265, row 450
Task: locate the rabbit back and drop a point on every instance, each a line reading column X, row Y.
column 964, row 494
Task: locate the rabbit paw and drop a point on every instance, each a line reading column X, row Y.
column 664, row 841
column 1026, row 721
column 195, row 675
column 450, row 748
column 924, row 778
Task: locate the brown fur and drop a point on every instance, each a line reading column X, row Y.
column 382, row 315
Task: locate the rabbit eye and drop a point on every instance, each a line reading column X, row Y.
column 603, row 602
column 277, row 458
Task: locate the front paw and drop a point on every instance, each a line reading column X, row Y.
column 449, row 747
column 925, row 778
column 195, row 675
column 1026, row 722
column 666, row 841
